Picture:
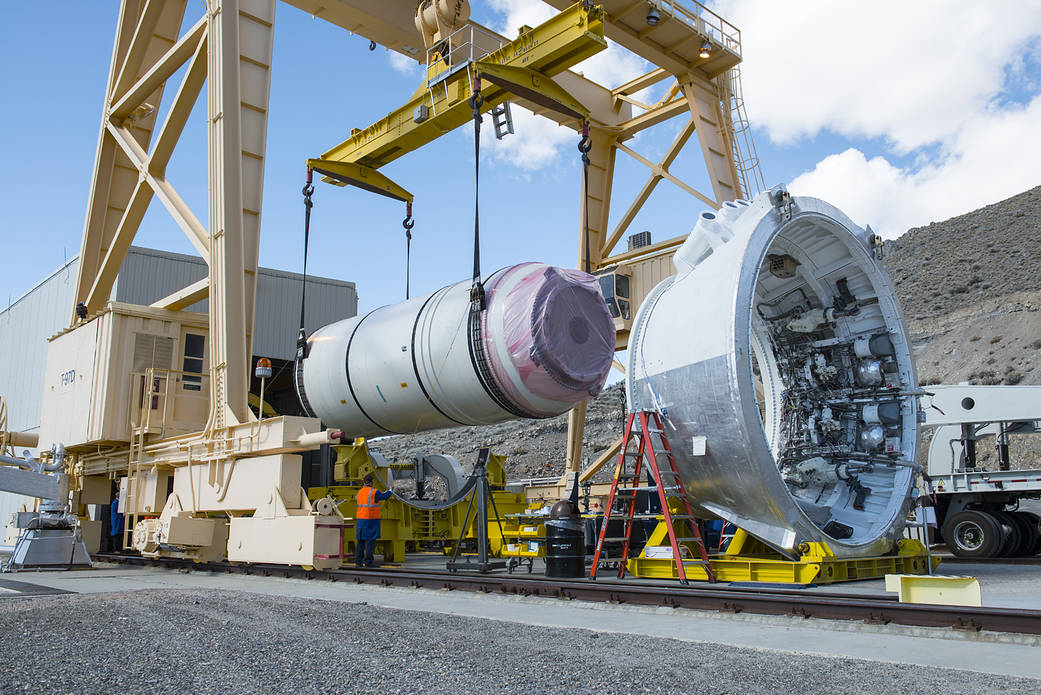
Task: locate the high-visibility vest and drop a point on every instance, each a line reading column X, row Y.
column 368, row 507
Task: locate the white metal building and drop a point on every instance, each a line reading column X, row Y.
column 146, row 276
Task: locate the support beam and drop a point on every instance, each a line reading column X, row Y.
column 101, row 290
column 115, row 177
column 596, row 208
column 228, row 378
column 161, row 71
column 239, row 53
column 165, row 192
column 658, row 172
column 658, row 114
column 184, row 298
column 642, row 82
column 139, row 44
column 180, row 110
column 702, row 98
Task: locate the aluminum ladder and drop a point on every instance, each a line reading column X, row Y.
column 626, row 485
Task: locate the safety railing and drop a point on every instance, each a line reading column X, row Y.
column 151, row 395
column 704, row 21
column 464, row 46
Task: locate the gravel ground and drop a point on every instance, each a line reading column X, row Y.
column 178, row 641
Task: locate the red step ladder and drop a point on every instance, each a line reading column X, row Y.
column 668, row 486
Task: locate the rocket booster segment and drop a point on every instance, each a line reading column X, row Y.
column 543, row 344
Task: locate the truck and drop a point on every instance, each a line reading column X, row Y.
column 982, row 471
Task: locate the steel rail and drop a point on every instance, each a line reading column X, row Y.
column 874, row 609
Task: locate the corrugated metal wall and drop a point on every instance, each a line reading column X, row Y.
column 24, row 328
column 146, row 276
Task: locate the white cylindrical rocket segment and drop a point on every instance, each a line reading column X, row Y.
column 544, row 343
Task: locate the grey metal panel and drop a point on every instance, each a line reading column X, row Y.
column 149, row 275
column 278, row 309
column 28, row 483
column 24, row 328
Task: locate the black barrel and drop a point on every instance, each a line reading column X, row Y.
column 565, row 548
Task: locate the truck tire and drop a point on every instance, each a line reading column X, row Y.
column 1011, row 533
column 1034, row 523
column 973, row 534
column 1026, row 535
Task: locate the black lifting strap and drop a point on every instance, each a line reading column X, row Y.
column 408, row 223
column 477, row 290
column 584, row 145
column 301, row 339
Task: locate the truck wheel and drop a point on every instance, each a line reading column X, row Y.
column 1024, row 534
column 1010, row 532
column 973, row 534
column 1034, row 523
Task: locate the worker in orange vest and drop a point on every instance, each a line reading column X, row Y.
column 367, row 522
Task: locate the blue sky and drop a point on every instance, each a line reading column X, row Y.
column 890, row 132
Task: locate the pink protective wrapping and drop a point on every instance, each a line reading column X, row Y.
column 558, row 331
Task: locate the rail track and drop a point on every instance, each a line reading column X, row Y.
column 875, row 609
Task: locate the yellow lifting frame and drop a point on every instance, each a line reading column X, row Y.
column 523, row 67
column 351, row 174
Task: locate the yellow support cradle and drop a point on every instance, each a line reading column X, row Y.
column 749, row 560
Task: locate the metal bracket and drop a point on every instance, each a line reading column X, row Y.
column 876, row 243
column 502, row 119
column 783, row 202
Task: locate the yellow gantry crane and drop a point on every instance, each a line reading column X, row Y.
column 207, row 479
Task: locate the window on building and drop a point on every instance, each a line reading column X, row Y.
column 194, row 349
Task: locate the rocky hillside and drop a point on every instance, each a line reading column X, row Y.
column 970, row 288
column 537, row 448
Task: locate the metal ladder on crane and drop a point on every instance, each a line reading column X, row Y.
column 626, row 485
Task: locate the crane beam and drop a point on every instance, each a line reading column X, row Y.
column 525, row 64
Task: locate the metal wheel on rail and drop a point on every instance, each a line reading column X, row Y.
column 973, row 534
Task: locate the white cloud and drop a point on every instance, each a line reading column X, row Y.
column 517, row 13
column 536, row 142
column 911, row 72
column 996, row 154
column 937, row 83
column 403, row 64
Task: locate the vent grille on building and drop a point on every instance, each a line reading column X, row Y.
column 152, row 351
column 639, row 240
